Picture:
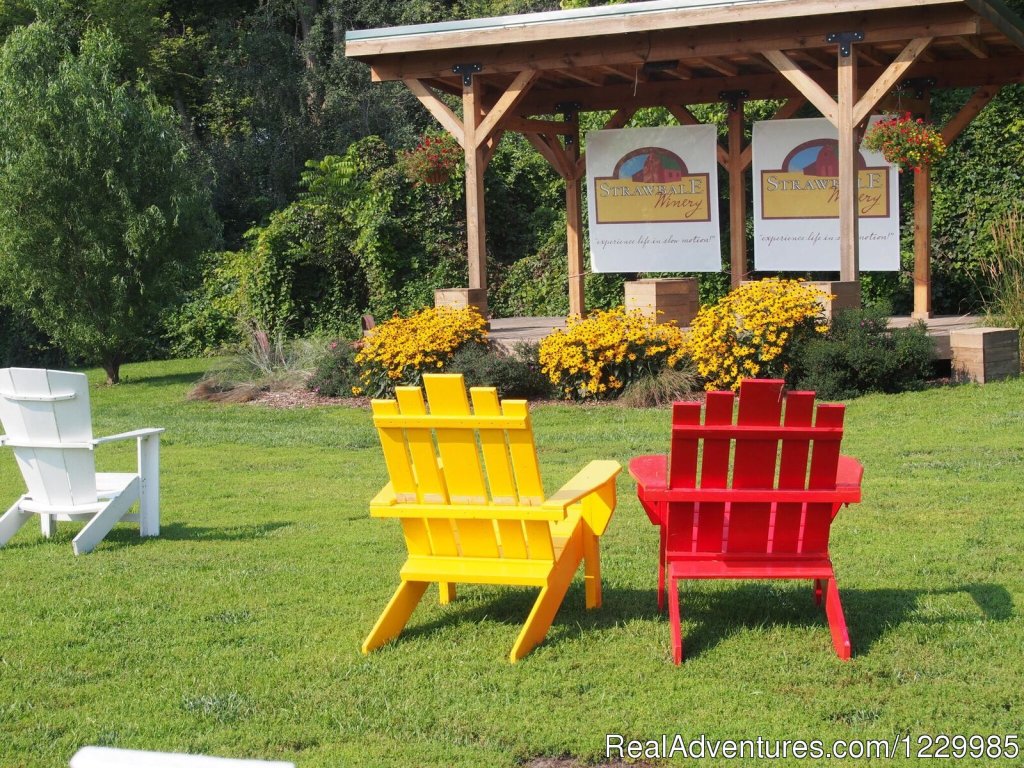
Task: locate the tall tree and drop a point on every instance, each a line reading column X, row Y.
column 102, row 205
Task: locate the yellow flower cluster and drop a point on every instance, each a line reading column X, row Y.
column 753, row 330
column 599, row 355
column 402, row 349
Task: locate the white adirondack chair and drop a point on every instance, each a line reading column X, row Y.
column 108, row 757
column 47, row 421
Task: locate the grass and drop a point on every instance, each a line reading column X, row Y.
column 237, row 631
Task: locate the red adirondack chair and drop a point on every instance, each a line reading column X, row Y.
column 750, row 498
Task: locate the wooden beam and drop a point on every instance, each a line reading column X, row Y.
column 574, row 227
column 441, row 111
column 922, row 244
column 476, row 224
column 679, row 43
column 573, row 74
column 968, row 112
column 622, row 24
column 551, row 149
column 974, row 44
column 737, row 197
column 706, row 90
column 512, row 96
column 524, row 125
column 892, row 75
column 849, row 238
column 727, row 69
column 810, row 89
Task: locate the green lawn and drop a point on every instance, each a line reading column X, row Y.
column 237, row 631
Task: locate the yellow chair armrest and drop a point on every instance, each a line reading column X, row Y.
column 594, row 485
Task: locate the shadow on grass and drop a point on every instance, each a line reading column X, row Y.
column 709, row 617
column 182, row 532
column 169, row 379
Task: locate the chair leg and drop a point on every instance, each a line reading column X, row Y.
column 447, row 591
column 661, row 569
column 674, row 620
column 836, row 621
column 592, row 569
column 818, row 584
column 149, row 485
column 544, row 609
column 48, row 526
column 11, row 521
column 396, row 615
column 101, row 523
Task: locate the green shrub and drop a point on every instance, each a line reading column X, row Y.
column 336, row 373
column 664, row 387
column 515, row 375
column 861, row 354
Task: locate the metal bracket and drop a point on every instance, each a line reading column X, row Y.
column 845, row 40
column 918, row 85
column 467, row 71
column 570, row 113
column 734, row 98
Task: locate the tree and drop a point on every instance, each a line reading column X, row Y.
column 103, row 208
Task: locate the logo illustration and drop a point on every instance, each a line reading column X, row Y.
column 807, row 185
column 652, row 184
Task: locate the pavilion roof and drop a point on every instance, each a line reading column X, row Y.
column 691, row 51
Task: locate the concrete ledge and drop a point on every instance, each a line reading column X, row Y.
column 985, row 354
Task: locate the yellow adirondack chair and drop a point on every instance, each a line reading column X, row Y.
column 483, row 522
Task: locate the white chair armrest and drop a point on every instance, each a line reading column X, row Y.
column 134, row 434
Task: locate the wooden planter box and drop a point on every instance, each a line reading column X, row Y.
column 665, row 299
column 985, row 354
column 847, row 295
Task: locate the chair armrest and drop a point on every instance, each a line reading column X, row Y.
column 134, row 434
column 849, row 473
column 594, row 485
column 650, row 472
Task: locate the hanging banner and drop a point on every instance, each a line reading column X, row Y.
column 653, row 200
column 796, row 200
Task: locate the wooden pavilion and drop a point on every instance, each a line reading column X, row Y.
column 535, row 73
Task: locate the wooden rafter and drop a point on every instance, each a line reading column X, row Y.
column 968, row 112
column 441, row 111
column 892, row 75
column 810, row 89
column 975, row 45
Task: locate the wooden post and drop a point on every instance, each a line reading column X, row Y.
column 476, row 225
column 737, row 195
column 574, row 222
column 849, row 266
column 923, row 235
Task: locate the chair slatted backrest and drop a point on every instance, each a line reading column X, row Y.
column 765, row 446
column 441, row 452
column 46, row 417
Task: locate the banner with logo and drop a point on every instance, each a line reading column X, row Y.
column 796, row 200
column 653, row 200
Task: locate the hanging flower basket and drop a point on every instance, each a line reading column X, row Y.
column 905, row 142
column 433, row 160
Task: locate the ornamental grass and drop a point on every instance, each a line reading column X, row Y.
column 754, row 331
column 402, row 349
column 598, row 356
